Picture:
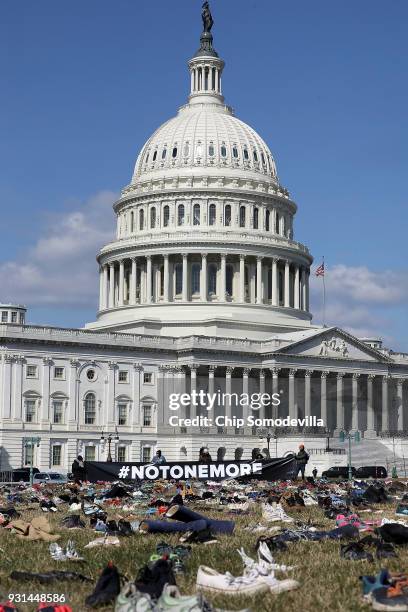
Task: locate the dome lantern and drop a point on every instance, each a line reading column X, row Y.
column 206, row 67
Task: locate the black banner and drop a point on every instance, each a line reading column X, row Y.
column 270, row 469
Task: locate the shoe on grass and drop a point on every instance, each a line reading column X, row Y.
column 106, row 589
column 275, row 513
column 212, row 581
column 370, row 583
column 389, row 598
column 132, row 600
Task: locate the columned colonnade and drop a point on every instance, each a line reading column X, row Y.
column 204, row 277
column 271, row 380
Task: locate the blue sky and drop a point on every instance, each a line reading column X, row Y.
column 86, row 83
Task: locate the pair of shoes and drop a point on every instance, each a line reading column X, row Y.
column 257, row 577
column 70, row 554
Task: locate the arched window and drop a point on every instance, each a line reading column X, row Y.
column 147, row 158
column 195, row 278
column 164, row 153
column 227, row 215
column 235, row 152
column 174, row 152
column 196, row 214
column 229, row 279
column 283, row 225
column 180, row 214
column 263, row 159
column 161, row 275
column 223, row 151
column 152, row 218
column 212, row 214
column 242, row 216
column 132, row 222
column 246, row 154
column 166, row 216
column 179, row 279
column 211, row 150
column 256, row 218
column 255, row 156
column 238, row 453
column 246, row 281
column 277, row 223
column 89, row 409
column 141, row 219
column 267, row 220
column 186, row 150
column 155, row 155
column 199, row 150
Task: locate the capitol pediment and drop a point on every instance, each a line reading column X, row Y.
column 334, row 344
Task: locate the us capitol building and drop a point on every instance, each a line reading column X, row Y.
column 204, row 287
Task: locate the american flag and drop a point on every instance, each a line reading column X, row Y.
column 320, row 270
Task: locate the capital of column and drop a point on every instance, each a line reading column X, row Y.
column 74, row 363
column 356, row 375
column 246, row 372
column 193, row 367
column 292, row 372
column 149, row 257
column 204, row 255
column 47, row 361
column 340, row 375
column 275, row 260
column 112, row 365
column 242, row 257
column 371, row 376
column 18, row 358
column 308, row 373
column 275, row 372
column 137, row 367
column 324, row 374
column 261, row 373
column 259, row 258
column 8, row 358
column 211, row 370
column 400, row 382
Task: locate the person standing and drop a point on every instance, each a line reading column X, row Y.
column 159, row 459
column 78, row 469
column 301, row 460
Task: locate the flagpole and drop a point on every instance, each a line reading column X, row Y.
column 324, row 294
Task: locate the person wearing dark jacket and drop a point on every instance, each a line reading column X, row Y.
column 301, row 460
column 78, row 469
column 205, row 456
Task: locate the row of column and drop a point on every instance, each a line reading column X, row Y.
column 205, row 78
column 113, row 279
column 293, row 412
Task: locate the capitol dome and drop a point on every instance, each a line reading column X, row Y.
column 205, row 136
column 205, row 231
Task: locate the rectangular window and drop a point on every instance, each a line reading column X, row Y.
column 57, row 409
column 123, row 376
column 59, row 373
column 4, row 316
column 14, row 317
column 146, row 454
column 122, row 414
column 89, row 453
column 30, row 411
column 179, row 279
column 21, row 318
column 31, row 371
column 147, row 416
column 121, row 454
column 56, row 454
column 28, row 454
column 147, row 378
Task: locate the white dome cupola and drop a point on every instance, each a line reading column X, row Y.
column 205, row 234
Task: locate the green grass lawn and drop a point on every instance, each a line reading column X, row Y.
column 326, row 581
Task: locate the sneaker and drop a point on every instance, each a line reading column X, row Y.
column 171, row 599
column 402, row 510
column 132, row 600
column 70, row 552
column 355, row 552
column 152, row 578
column 106, row 541
column 212, row 581
column 56, row 552
column 390, row 598
column 106, row 589
column 199, row 537
column 275, row 513
column 370, row 583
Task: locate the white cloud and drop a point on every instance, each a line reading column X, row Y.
column 363, row 301
column 61, row 269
